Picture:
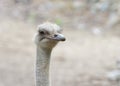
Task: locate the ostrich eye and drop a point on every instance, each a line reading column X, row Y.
column 41, row 32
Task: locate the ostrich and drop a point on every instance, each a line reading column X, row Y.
column 47, row 36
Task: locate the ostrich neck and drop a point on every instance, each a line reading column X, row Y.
column 42, row 66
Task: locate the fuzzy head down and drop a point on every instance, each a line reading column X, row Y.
column 48, row 35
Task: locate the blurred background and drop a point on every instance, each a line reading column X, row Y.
column 89, row 57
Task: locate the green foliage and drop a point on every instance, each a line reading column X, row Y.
column 31, row 17
column 59, row 21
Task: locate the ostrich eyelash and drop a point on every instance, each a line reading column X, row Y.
column 42, row 32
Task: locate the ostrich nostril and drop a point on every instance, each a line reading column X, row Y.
column 55, row 35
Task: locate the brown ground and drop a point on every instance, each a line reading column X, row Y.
column 83, row 60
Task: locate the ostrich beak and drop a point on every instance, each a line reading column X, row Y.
column 59, row 37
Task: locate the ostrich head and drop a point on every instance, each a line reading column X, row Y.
column 48, row 35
